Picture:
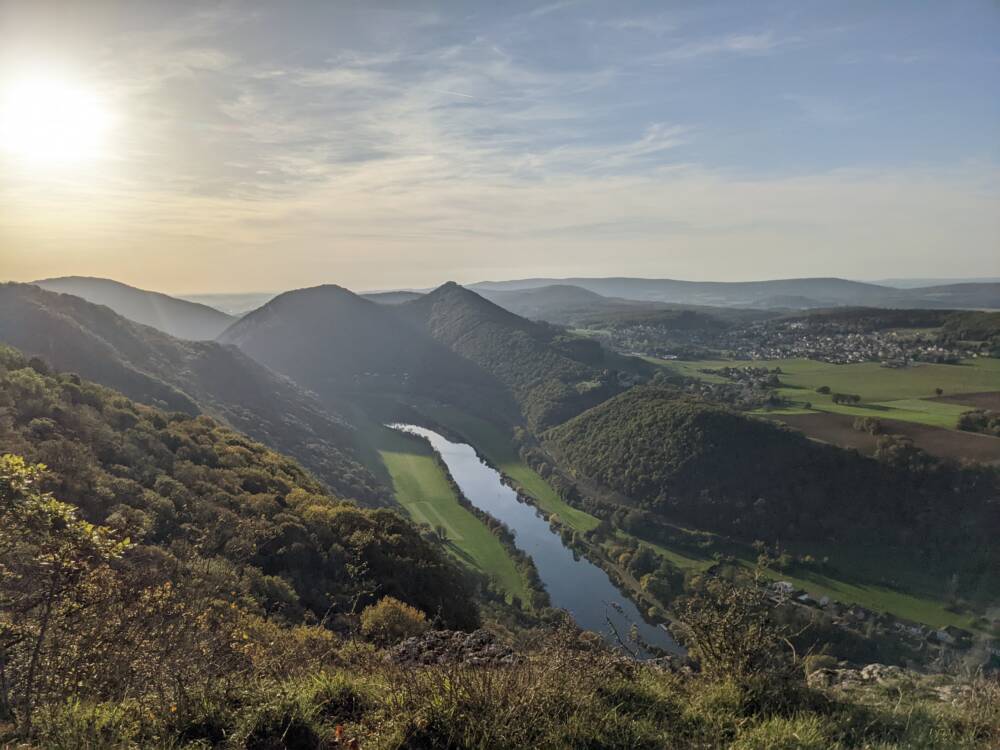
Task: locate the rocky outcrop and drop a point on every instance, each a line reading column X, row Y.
column 882, row 675
column 845, row 677
column 479, row 648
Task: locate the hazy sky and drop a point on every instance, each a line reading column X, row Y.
column 267, row 145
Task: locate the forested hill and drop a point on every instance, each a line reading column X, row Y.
column 185, row 487
column 341, row 346
column 552, row 375
column 192, row 377
column 178, row 317
column 716, row 469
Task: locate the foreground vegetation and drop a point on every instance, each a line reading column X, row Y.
column 303, row 689
column 193, row 495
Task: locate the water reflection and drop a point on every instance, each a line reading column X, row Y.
column 574, row 584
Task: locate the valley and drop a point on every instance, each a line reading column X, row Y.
column 542, row 375
column 503, row 364
column 559, row 477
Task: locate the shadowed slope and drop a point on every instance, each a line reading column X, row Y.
column 340, row 345
column 192, row 377
column 178, row 317
column 552, row 376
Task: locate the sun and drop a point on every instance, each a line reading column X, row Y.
column 49, row 120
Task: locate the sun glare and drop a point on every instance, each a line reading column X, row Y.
column 48, row 120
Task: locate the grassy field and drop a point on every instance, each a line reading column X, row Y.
column 422, row 489
column 498, row 449
column 889, row 393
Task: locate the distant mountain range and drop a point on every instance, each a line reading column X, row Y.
column 206, row 316
column 925, row 282
column 180, row 318
column 782, row 293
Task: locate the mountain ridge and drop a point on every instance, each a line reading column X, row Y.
column 552, row 375
column 180, row 318
column 797, row 292
column 187, row 376
column 339, row 344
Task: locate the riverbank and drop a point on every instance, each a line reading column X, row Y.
column 574, row 583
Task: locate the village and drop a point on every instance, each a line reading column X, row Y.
column 791, row 339
column 872, row 624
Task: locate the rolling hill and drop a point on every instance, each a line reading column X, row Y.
column 185, row 376
column 716, row 469
column 561, row 303
column 342, row 346
column 553, row 376
column 178, row 317
column 779, row 293
column 573, row 306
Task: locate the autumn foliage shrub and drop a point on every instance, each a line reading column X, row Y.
column 390, row 621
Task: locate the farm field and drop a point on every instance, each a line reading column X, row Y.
column 500, row 452
column 422, row 490
column 990, row 401
column 838, row 429
column 904, row 394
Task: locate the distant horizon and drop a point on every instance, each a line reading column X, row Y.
column 891, row 282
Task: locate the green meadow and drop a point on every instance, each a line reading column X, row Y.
column 900, row 393
column 423, row 491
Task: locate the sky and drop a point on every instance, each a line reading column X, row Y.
column 254, row 146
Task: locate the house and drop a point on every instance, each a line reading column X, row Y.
column 783, row 587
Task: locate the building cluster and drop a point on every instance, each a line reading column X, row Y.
column 856, row 617
column 797, row 339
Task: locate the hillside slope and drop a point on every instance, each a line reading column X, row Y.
column 553, row 376
column 342, row 346
column 192, row 377
column 188, row 489
column 716, row 469
column 178, row 317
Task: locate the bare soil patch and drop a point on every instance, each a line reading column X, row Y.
column 838, row 429
column 989, row 400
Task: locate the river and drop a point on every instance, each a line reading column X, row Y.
column 573, row 583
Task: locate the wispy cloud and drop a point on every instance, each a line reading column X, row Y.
column 343, row 149
column 732, row 44
column 549, row 8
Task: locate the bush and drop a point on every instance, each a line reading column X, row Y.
column 871, row 425
column 816, row 662
column 391, row 621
